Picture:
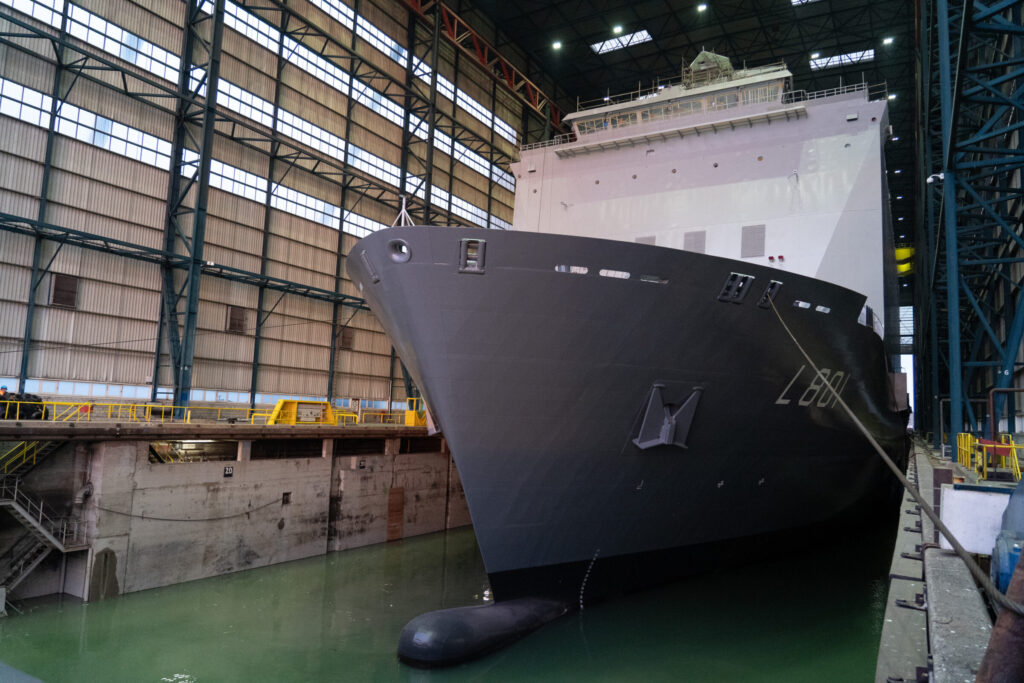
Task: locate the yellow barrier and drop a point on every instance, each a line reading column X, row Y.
column 382, row 417
column 965, row 450
column 1012, row 461
column 292, row 412
column 343, row 417
column 979, row 455
column 285, row 412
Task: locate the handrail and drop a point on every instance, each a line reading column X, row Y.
column 66, row 530
column 562, row 139
column 974, row 454
column 21, row 453
column 88, row 411
column 874, row 91
column 660, row 84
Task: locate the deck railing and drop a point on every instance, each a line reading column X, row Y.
column 874, row 92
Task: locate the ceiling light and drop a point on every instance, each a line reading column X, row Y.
column 887, row 41
column 897, row 171
column 617, row 30
column 899, row 196
column 557, row 45
column 892, row 96
column 606, row 98
column 701, row 7
column 815, row 55
column 900, row 218
column 895, row 138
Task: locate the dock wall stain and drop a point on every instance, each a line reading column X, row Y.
column 157, row 524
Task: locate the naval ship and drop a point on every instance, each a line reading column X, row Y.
column 620, row 397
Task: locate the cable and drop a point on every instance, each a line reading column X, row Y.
column 178, row 519
column 980, row 576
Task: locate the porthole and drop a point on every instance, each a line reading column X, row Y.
column 399, row 251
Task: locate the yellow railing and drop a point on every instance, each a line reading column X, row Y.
column 965, row 450
column 1011, row 460
column 20, row 454
column 979, row 455
column 382, row 417
column 87, row 411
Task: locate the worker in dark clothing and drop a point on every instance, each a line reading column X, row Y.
column 3, row 392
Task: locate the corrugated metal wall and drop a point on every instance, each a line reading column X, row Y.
column 110, row 337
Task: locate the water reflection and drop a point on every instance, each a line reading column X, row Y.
column 338, row 617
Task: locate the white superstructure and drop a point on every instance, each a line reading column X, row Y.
column 728, row 164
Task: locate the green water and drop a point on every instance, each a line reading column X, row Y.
column 337, row 618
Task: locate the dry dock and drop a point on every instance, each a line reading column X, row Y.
column 937, row 625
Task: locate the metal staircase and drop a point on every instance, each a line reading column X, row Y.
column 46, row 532
column 18, row 460
column 18, row 562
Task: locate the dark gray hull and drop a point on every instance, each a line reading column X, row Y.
column 539, row 380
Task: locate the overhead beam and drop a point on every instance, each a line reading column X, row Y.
column 469, row 42
column 87, row 240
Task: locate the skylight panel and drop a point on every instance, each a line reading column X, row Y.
column 621, row 42
column 802, row 2
column 842, row 60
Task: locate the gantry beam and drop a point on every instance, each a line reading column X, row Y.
column 472, row 44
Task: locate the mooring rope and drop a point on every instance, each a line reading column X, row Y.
column 979, row 575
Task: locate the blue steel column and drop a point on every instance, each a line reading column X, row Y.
column 339, row 257
column 184, row 384
column 203, row 114
column 946, row 85
column 44, row 191
column 1013, row 310
column 275, row 146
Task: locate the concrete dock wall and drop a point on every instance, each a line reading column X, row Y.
column 377, row 498
column 157, row 524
